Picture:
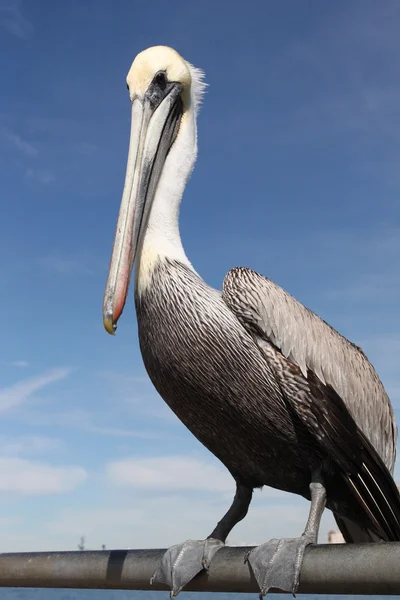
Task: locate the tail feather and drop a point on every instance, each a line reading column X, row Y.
column 353, row 533
column 378, row 497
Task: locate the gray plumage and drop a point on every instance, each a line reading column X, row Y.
column 310, row 343
column 216, row 361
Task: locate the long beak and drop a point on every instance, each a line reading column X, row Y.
column 153, row 130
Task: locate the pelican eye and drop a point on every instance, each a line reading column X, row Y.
column 160, row 79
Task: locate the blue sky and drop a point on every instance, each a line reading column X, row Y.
column 297, row 177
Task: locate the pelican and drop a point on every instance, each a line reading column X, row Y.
column 274, row 392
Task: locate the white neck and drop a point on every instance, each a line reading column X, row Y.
column 162, row 238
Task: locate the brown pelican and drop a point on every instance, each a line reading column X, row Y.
column 267, row 386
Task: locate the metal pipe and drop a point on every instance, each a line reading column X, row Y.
column 327, row 569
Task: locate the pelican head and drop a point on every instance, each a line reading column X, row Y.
column 159, row 83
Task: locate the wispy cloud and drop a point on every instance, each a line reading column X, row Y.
column 18, row 363
column 27, row 445
column 13, row 141
column 17, row 142
column 27, row 477
column 137, row 391
column 127, row 433
column 40, row 175
column 84, row 421
column 170, row 473
column 80, row 420
column 12, row 19
column 21, row 392
column 157, row 520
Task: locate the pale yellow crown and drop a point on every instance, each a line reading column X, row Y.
column 163, row 58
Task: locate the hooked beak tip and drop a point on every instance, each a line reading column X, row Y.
column 109, row 324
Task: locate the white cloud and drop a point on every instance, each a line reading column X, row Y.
column 33, row 478
column 158, row 521
column 81, row 420
column 138, row 392
column 19, row 363
column 170, row 473
column 20, row 445
column 153, row 518
column 75, row 418
column 16, row 141
column 20, row 392
column 127, row 433
column 12, row 19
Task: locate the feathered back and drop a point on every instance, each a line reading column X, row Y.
column 309, row 342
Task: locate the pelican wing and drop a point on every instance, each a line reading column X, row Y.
column 331, row 387
column 322, row 355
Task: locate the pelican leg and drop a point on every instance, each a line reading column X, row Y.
column 182, row 562
column 277, row 563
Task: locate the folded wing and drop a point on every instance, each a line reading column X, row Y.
column 331, row 386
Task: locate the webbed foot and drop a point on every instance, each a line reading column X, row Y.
column 182, row 562
column 277, row 563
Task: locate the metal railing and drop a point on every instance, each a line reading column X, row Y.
column 327, row 569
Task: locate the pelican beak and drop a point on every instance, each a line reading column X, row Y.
column 155, row 124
